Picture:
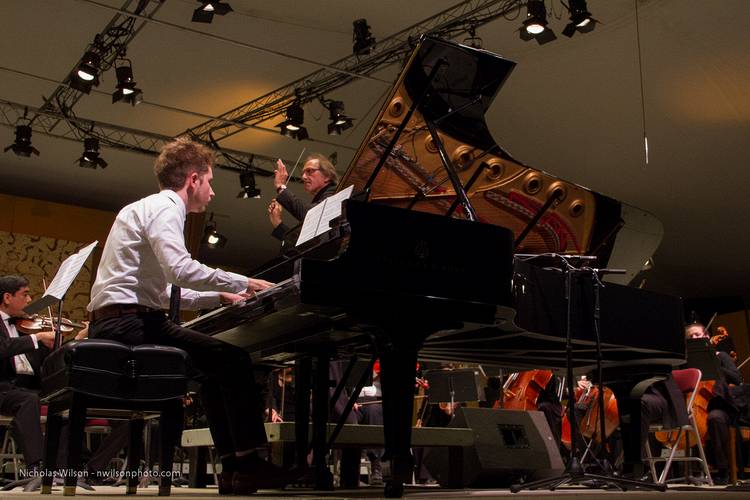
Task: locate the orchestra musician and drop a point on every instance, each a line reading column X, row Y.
column 662, row 403
column 319, row 179
column 548, row 402
column 370, row 410
column 145, row 252
column 20, row 362
column 22, row 356
column 722, row 409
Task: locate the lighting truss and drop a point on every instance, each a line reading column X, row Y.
column 449, row 23
column 73, row 128
column 118, row 33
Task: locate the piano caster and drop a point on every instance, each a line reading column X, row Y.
column 393, row 489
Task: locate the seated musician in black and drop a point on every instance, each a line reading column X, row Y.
column 722, row 409
column 319, row 179
column 20, row 363
column 21, row 358
column 664, row 404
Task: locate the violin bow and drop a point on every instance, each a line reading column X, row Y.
column 743, row 363
column 708, row 326
column 49, row 308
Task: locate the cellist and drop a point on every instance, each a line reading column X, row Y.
column 722, row 409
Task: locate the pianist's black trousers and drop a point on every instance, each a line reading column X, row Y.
column 229, row 394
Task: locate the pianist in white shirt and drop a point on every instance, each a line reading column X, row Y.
column 145, row 252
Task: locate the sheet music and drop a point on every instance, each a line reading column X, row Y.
column 310, row 225
column 67, row 272
column 318, row 218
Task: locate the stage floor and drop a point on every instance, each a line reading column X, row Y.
column 416, row 493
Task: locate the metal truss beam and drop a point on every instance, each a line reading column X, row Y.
column 450, row 23
column 112, row 40
column 76, row 129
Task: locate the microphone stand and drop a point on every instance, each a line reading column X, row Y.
column 574, row 472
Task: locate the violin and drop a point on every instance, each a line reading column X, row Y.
column 722, row 335
column 36, row 323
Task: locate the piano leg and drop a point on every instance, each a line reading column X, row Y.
column 302, row 377
column 320, row 405
column 397, row 372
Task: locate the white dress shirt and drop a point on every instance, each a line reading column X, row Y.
column 145, row 253
column 20, row 361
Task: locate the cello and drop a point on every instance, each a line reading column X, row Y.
column 703, row 396
column 589, row 422
column 522, row 389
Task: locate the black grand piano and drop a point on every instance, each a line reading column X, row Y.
column 421, row 263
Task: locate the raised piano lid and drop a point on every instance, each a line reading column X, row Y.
column 506, row 193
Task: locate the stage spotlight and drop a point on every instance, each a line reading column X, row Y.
column 339, row 121
column 249, row 189
column 535, row 25
column 580, row 19
column 86, row 74
column 292, row 126
column 362, row 39
column 211, row 237
column 473, row 40
column 126, row 91
column 22, row 146
column 90, row 157
column 205, row 13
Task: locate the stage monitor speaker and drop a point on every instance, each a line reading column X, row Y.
column 509, row 446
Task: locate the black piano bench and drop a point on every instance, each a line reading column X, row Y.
column 105, row 378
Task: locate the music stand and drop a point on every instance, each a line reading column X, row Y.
column 574, row 471
column 453, row 386
column 701, row 355
column 59, row 286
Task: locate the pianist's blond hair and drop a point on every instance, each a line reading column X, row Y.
column 178, row 159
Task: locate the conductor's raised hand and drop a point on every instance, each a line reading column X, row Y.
column 280, row 175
